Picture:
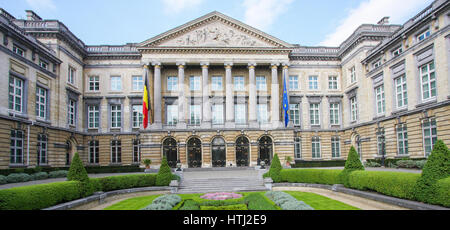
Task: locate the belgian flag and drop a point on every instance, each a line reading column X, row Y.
column 145, row 100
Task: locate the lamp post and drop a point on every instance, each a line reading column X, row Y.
column 382, row 139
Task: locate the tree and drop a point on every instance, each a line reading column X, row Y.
column 351, row 164
column 77, row 172
column 164, row 175
column 275, row 169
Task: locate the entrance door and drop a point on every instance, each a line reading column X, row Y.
column 194, row 147
column 170, row 152
column 242, row 150
column 218, row 152
column 265, row 149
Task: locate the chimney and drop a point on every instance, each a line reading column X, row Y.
column 32, row 16
column 384, row 21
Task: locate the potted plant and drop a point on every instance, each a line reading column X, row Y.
column 288, row 161
column 147, row 163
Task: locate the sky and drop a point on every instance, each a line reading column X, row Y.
column 304, row 22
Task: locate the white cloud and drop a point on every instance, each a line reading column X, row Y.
column 41, row 4
column 262, row 13
column 176, row 6
column 371, row 11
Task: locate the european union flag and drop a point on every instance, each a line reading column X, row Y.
column 285, row 102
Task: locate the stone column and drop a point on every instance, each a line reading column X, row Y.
column 229, row 104
column 275, row 97
column 206, row 117
column 253, row 123
column 182, row 107
column 157, row 96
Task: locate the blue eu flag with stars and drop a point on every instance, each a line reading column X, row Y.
column 285, row 102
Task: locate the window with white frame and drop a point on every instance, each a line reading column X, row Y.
column 380, row 142
column 428, row 81
column 429, row 135
column 313, row 82
column 333, row 82
column 376, row 63
column 172, row 115
column 217, row 114
column 314, row 113
column 353, row 109
column 352, row 74
column 41, row 103
column 401, row 91
column 172, row 83
column 116, row 151
column 16, row 95
column 138, row 116
column 423, row 35
column 18, row 50
column 194, row 83
column 239, row 83
column 42, row 149
column 334, row 113
column 261, row 83
column 116, row 83
column 137, row 83
column 262, row 113
column 335, row 147
column 240, row 113
column 380, row 100
column 136, row 151
column 72, row 106
column 315, row 144
column 402, row 139
column 298, row 148
column 293, row 82
column 116, row 116
column 43, row 64
column 93, row 116
column 94, row 152
column 16, row 147
column 94, row 83
column 195, row 115
column 71, row 75
column 216, row 83
column 294, row 114
column 397, row 51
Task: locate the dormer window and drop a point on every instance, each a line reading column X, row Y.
column 425, row 34
column 18, row 50
column 376, row 64
column 397, row 51
column 43, row 64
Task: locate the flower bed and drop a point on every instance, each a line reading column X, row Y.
column 221, row 196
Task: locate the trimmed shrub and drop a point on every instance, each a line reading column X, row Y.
column 41, row 196
column 40, row 176
column 190, row 205
column 107, row 184
column 396, row 184
column 227, row 207
column 436, row 168
column 164, row 175
column 420, row 164
column 275, row 168
column 165, row 202
column 442, row 194
column 256, row 201
column 406, row 164
column 296, row 205
column 286, row 201
column 18, row 177
column 312, row 176
column 312, row 164
column 77, row 171
column 3, row 179
column 371, row 164
column 58, row 174
column 353, row 163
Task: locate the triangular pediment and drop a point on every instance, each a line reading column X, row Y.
column 214, row 30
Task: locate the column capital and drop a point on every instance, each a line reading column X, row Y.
column 156, row 64
column 285, row 65
column 228, row 64
column 146, row 66
column 274, row 65
column 181, row 64
column 204, row 64
column 252, row 65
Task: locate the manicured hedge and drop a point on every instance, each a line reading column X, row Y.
column 41, row 196
column 389, row 161
column 312, row 176
column 312, row 164
column 89, row 169
column 442, row 192
column 396, row 184
column 106, row 184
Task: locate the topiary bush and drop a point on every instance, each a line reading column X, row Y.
column 353, row 163
column 256, row 201
column 442, row 192
column 40, row 176
column 165, row 202
column 18, row 177
column 77, row 172
column 190, row 205
column 275, row 168
column 286, row 201
column 164, row 175
column 436, row 168
column 3, row 180
column 58, row 174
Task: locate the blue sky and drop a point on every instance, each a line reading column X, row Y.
column 304, row 22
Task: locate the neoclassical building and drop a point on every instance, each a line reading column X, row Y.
column 216, row 90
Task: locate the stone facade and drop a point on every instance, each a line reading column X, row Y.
column 355, row 86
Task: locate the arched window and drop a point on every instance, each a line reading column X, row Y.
column 265, row 149
column 170, row 151
column 218, row 152
column 194, row 149
column 242, row 151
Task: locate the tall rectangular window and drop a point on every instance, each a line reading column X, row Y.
column 116, row 116
column 335, row 147
column 262, row 113
column 261, row 84
column 293, row 83
column 71, row 112
column 217, row 113
column 116, row 151
column 428, row 81
column 194, row 83
column 380, row 100
column 294, row 114
column 402, row 139
column 298, row 148
column 401, row 91
column 352, row 74
column 314, row 114
column 423, row 35
column 429, row 135
column 172, row 83
column 172, row 115
column 334, row 113
column 195, row 114
column 240, row 113
column 116, row 83
column 93, row 116
column 136, row 151
column 216, row 83
column 138, row 116
column 16, row 94
column 239, row 83
column 41, row 103
column 42, row 149
column 315, row 144
column 94, row 152
column 71, row 75
column 332, row 82
column 16, row 147
column 94, row 83
column 137, row 83
column 313, row 82
column 353, row 109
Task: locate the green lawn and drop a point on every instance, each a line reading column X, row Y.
column 319, row 202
